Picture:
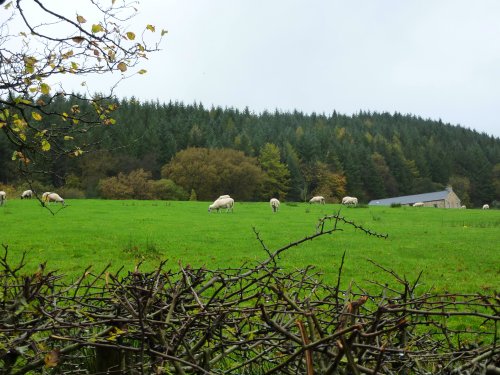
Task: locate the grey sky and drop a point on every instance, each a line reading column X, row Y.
column 437, row 59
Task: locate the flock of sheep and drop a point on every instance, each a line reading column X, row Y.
column 227, row 203
column 223, row 202
column 28, row 194
column 421, row 204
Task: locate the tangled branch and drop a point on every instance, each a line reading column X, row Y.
column 258, row 319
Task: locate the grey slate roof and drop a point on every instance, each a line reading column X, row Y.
column 410, row 199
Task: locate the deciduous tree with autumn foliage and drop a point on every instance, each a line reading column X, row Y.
column 43, row 46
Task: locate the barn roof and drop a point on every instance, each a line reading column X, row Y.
column 410, row 199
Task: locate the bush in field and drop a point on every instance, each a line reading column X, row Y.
column 166, row 189
column 9, row 190
column 212, row 172
column 192, row 196
column 114, row 188
column 135, row 185
column 71, row 193
column 139, row 185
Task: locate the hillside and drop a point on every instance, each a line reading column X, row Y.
column 368, row 155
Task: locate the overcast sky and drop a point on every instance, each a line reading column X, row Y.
column 437, row 59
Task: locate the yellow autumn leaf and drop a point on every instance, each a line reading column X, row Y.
column 96, row 28
column 131, row 35
column 151, row 28
column 44, row 88
column 111, row 55
column 36, row 116
column 80, row 19
column 68, row 138
column 45, row 145
column 142, row 71
column 17, row 155
column 52, row 358
column 122, row 66
column 78, row 39
column 2, row 124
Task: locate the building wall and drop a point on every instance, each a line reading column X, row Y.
column 439, row 203
column 453, row 201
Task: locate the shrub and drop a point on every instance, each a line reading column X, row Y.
column 193, row 197
column 135, row 185
column 166, row 189
column 113, row 188
column 71, row 193
column 9, row 190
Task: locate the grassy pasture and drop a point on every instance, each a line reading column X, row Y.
column 457, row 250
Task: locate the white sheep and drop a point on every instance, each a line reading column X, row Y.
column 27, row 194
column 463, row 207
column 486, row 207
column 348, row 201
column 3, row 197
column 54, row 197
column 317, row 199
column 227, row 203
column 45, row 195
column 275, row 204
column 222, row 197
column 418, row 204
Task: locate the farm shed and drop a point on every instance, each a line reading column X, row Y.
column 440, row 199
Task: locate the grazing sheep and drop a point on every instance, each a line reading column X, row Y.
column 463, row 207
column 45, row 195
column 317, row 199
column 226, row 203
column 348, row 201
column 486, row 207
column 3, row 197
column 27, row 194
column 418, row 204
column 54, row 197
column 275, row 204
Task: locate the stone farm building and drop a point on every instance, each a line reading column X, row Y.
column 440, row 199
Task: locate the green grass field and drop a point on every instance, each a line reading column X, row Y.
column 457, row 250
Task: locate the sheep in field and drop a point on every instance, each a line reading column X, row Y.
column 463, row 207
column 222, row 197
column 3, row 197
column 275, row 204
column 317, row 199
column 27, row 194
column 486, row 207
column 54, row 197
column 348, row 201
column 226, row 203
column 418, row 204
column 45, row 195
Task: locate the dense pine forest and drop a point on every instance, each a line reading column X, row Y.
column 179, row 151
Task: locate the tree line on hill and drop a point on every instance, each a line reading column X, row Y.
column 178, row 151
